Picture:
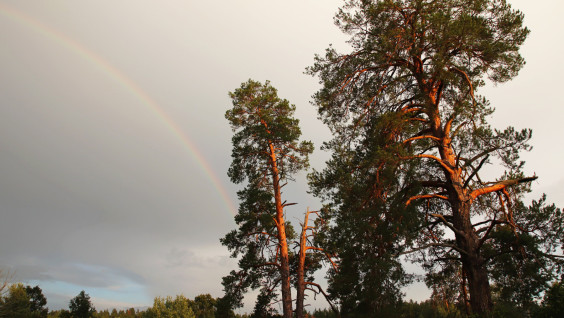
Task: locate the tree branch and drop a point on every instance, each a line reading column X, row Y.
column 335, row 310
column 432, row 245
column 445, row 222
column 408, row 140
column 500, row 186
column 426, row 196
column 475, row 171
column 437, row 159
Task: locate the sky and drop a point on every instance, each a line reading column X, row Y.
column 114, row 147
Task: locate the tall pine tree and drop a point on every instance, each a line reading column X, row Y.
column 410, row 140
column 266, row 154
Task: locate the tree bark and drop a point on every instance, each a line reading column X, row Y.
column 282, row 240
column 473, row 263
column 300, row 294
column 468, row 242
column 460, row 199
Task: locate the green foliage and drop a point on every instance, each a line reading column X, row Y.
column 428, row 309
column 37, row 301
column 521, row 260
column 259, row 117
column 179, row 307
column 223, row 308
column 23, row 301
column 553, row 303
column 16, row 303
column 204, row 306
column 323, row 313
column 129, row 313
column 504, row 309
column 263, row 308
column 63, row 313
column 81, row 307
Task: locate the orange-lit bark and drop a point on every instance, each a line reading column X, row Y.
column 301, row 269
column 282, row 240
column 473, row 263
column 460, row 200
column 464, row 292
column 499, row 186
column 430, row 61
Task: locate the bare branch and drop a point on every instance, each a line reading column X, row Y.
column 320, row 290
column 426, row 196
column 437, row 159
column 426, row 246
column 445, row 222
column 475, row 171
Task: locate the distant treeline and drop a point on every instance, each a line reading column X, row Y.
column 19, row 301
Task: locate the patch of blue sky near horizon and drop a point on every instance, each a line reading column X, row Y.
column 61, row 282
column 124, row 295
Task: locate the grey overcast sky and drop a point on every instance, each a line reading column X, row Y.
column 114, row 147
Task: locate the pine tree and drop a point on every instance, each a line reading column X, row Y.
column 410, row 140
column 266, row 154
column 81, row 307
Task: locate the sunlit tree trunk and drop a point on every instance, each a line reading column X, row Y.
column 302, row 284
column 282, row 240
column 300, row 293
column 467, row 241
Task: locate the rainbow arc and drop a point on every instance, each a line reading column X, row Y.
column 130, row 86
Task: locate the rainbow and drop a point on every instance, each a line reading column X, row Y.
column 129, row 85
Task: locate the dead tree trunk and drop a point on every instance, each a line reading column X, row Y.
column 302, row 285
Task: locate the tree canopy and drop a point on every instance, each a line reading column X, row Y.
column 16, row 303
column 23, row 301
column 81, row 306
column 179, row 306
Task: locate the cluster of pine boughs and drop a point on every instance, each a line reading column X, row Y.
column 406, row 179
